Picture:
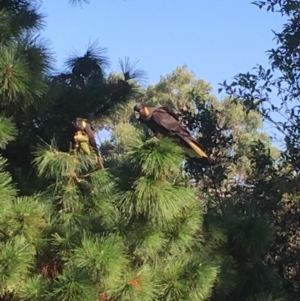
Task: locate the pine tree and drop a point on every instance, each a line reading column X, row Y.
column 153, row 225
column 232, row 192
column 130, row 232
column 23, row 219
column 44, row 103
column 25, row 61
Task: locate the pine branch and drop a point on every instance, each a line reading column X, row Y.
column 7, row 131
column 52, row 163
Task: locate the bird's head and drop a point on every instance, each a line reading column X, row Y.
column 80, row 123
column 142, row 111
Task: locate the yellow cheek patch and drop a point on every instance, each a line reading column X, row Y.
column 83, row 124
column 146, row 111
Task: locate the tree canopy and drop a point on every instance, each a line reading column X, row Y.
column 153, row 224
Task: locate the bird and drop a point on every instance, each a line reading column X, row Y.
column 82, row 142
column 84, row 134
column 164, row 122
column 82, row 124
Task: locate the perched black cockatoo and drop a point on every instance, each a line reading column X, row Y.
column 84, row 125
column 84, row 134
column 163, row 122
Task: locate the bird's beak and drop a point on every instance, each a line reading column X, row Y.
column 136, row 114
column 77, row 135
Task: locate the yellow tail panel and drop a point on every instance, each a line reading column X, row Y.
column 197, row 149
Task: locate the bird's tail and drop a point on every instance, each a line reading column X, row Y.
column 195, row 150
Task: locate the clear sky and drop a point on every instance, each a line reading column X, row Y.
column 215, row 39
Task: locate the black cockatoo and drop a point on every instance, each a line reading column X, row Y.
column 84, row 125
column 163, row 122
column 85, row 133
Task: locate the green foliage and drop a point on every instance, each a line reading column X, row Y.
column 273, row 93
column 153, row 225
column 13, row 76
column 122, row 242
column 17, row 258
column 19, row 16
column 34, row 289
column 7, row 131
column 25, row 217
column 22, row 223
column 51, row 163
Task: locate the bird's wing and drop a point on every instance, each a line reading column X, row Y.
column 163, row 118
column 169, row 121
column 168, row 110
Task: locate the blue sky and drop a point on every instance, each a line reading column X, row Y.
column 216, row 39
